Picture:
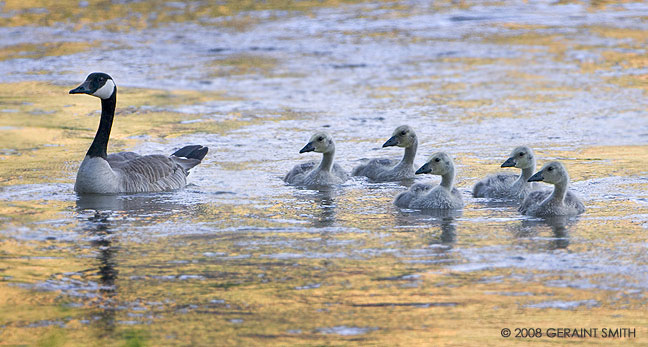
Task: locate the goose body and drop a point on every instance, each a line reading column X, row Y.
column 508, row 185
column 559, row 202
column 382, row 170
column 427, row 196
column 326, row 173
column 127, row 172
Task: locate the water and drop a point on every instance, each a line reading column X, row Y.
column 238, row 257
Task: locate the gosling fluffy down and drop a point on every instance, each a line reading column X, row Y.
column 326, row 173
column 426, row 196
column 383, row 170
column 508, row 185
column 559, row 202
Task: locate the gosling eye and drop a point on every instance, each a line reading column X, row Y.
column 403, row 133
column 437, row 160
column 320, row 138
column 550, row 169
column 521, row 154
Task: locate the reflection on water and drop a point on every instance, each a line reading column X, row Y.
column 98, row 227
column 534, row 228
column 273, row 264
column 321, row 205
column 446, row 220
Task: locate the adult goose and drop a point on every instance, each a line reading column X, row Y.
column 382, row 170
column 127, row 172
column 559, row 202
column 427, row 196
column 509, row 185
column 326, row 173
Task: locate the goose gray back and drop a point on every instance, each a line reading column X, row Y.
column 127, row 172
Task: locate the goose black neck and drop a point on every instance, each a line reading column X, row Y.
column 100, row 144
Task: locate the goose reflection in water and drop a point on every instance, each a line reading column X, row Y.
column 102, row 220
column 444, row 218
column 533, row 228
column 321, row 206
column 99, row 227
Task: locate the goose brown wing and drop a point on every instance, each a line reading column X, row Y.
column 150, row 173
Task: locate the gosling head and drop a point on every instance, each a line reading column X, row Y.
column 553, row 172
column 403, row 136
column 321, row 142
column 522, row 157
column 439, row 163
column 97, row 84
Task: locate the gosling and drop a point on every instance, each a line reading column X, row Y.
column 384, row 170
column 560, row 202
column 327, row 173
column 427, row 196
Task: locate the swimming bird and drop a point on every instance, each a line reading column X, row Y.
column 560, row 202
column 327, row 173
column 381, row 170
column 509, row 185
column 427, row 196
column 127, row 172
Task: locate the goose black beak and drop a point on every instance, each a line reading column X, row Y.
column 536, row 177
column 424, row 169
column 510, row 162
column 308, row 148
column 393, row 141
column 84, row 88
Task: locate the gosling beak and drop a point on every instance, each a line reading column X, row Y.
column 84, row 88
column 424, row 169
column 393, row 141
column 308, row 148
column 536, row 177
column 510, row 162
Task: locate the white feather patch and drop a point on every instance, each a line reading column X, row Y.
column 106, row 91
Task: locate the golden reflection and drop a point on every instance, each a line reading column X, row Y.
column 529, row 229
column 426, row 221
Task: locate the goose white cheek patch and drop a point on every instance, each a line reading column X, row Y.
column 106, row 91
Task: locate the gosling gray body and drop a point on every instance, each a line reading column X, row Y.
column 426, row 196
column 509, row 185
column 127, row 172
column 326, row 173
column 559, row 202
column 383, row 170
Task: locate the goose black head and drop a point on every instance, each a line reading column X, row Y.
column 97, row 84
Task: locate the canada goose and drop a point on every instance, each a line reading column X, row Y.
column 127, row 172
column 326, row 173
column 424, row 196
column 509, row 185
column 560, row 202
column 381, row 170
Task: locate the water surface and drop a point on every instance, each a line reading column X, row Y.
column 238, row 257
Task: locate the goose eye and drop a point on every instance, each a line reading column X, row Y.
column 549, row 169
column 437, row 160
column 320, row 138
column 403, row 132
column 521, row 154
